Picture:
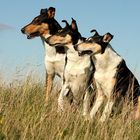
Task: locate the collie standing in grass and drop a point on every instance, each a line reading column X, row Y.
column 44, row 26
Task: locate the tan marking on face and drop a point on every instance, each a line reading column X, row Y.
column 60, row 39
column 94, row 47
column 31, row 28
column 42, row 29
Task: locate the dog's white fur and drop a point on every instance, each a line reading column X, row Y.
column 76, row 74
column 105, row 72
column 54, row 62
column 105, row 65
column 77, row 69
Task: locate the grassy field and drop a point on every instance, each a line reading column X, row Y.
column 24, row 116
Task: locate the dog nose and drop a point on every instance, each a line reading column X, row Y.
column 75, row 47
column 47, row 40
column 23, row 30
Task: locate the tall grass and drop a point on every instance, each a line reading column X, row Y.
column 25, row 116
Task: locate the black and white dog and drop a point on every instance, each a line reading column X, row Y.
column 78, row 69
column 44, row 25
column 112, row 77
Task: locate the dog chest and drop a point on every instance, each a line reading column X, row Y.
column 77, row 83
column 77, row 65
column 51, row 55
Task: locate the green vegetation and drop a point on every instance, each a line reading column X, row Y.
column 24, row 116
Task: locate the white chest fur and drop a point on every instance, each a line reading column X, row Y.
column 77, row 71
column 76, row 64
column 54, row 62
column 106, row 67
column 51, row 54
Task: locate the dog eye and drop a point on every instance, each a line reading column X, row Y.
column 36, row 21
column 59, row 31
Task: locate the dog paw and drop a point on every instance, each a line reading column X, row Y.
column 102, row 119
column 87, row 118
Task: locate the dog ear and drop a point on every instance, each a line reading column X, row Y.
column 67, row 24
column 107, row 37
column 51, row 12
column 43, row 11
column 95, row 32
column 74, row 25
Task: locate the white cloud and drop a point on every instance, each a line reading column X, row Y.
column 5, row 27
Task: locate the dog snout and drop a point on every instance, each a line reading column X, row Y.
column 23, row 30
column 75, row 47
column 47, row 41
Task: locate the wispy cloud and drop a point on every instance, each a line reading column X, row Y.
column 4, row 27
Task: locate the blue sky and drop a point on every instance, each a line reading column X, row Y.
column 121, row 18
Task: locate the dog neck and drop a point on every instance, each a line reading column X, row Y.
column 108, row 60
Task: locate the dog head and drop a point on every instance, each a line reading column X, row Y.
column 68, row 35
column 95, row 44
column 42, row 25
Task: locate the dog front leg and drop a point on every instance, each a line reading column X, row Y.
column 107, row 110
column 110, row 100
column 98, row 102
column 63, row 93
column 49, row 85
column 96, row 106
column 86, row 103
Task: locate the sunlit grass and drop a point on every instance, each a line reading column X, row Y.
column 25, row 116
